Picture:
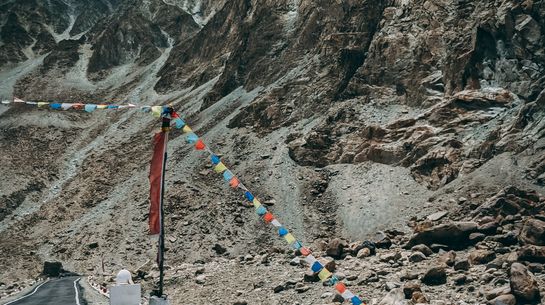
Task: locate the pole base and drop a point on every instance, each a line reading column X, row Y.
column 155, row 300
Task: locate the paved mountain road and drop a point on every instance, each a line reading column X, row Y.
column 63, row 291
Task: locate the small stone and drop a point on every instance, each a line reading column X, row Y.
column 491, row 294
column 392, row 256
column 476, row 237
column 326, row 295
column 240, row 303
column 417, row 257
column 419, row 298
column 300, row 288
column 335, row 248
column 506, row 299
column 435, row 276
column 201, row 279
column 462, row 264
column 295, row 261
column 478, row 257
column 278, row 288
column 365, row 252
column 338, row 299
column 409, row 288
column 448, row 258
column 460, row 279
column 423, row 249
column 391, row 285
column 436, row 216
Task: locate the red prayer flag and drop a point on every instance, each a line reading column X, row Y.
column 155, row 178
column 268, row 217
column 199, row 145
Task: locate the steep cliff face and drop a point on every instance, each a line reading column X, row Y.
column 346, row 117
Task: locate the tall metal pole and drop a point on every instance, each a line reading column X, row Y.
column 162, row 221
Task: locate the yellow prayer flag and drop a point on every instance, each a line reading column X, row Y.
column 324, row 274
column 102, row 106
column 289, row 238
column 256, row 202
column 187, row 129
column 220, row 168
column 156, row 111
column 40, row 104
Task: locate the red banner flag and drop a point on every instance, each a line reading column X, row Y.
column 155, row 179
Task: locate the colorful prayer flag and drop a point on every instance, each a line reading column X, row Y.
column 220, row 168
column 256, row 203
column 66, row 106
column 316, row 267
column 113, row 106
column 215, row 159
column 333, row 280
column 144, row 109
column 156, row 111
column 282, row 232
column 200, row 145
column 40, row 104
column 17, row 100
column 102, row 106
column 297, row 245
column 289, row 238
column 324, row 274
column 56, row 106
column 249, row 196
column 261, row 210
column 347, row 295
column 310, row 259
column 179, row 123
column 268, row 217
column 187, row 129
column 90, row 107
column 191, row 138
column 227, row 175
column 234, row 182
column 305, row 251
column 340, row 287
column 356, row 301
column 276, row 223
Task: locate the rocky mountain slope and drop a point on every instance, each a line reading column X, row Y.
column 417, row 126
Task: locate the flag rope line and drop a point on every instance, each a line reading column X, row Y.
column 219, row 167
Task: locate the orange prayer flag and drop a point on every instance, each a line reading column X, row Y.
column 234, row 182
column 268, row 217
column 340, row 287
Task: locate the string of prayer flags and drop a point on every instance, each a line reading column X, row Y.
column 219, row 167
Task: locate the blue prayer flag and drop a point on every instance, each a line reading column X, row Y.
column 282, row 231
column 215, row 159
column 316, row 267
column 56, row 106
column 261, row 210
column 297, row 245
column 90, row 107
column 192, row 138
column 356, row 301
column 249, row 196
column 227, row 175
column 179, row 123
column 113, row 106
column 333, row 280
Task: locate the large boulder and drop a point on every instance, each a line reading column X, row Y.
column 531, row 253
column 478, row 257
column 523, row 283
column 533, row 232
column 455, row 235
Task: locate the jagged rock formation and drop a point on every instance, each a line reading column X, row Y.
column 347, row 117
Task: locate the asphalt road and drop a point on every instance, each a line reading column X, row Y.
column 63, row 291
